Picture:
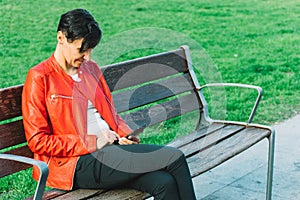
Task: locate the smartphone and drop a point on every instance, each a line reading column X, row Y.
column 135, row 133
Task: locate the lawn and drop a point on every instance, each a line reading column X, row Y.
column 251, row 42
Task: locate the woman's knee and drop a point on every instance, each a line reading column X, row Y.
column 175, row 154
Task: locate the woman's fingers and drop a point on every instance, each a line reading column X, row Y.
column 129, row 140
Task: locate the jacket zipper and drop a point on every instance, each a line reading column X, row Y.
column 55, row 96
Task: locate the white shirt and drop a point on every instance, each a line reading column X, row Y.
column 95, row 123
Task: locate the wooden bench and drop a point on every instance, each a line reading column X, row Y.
column 148, row 91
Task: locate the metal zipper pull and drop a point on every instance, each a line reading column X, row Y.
column 53, row 96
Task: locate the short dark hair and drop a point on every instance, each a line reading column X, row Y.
column 77, row 24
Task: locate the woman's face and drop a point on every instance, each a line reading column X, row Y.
column 73, row 55
column 71, row 52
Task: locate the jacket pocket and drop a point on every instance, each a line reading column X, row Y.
column 55, row 97
column 60, row 110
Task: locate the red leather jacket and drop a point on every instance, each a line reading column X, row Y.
column 54, row 110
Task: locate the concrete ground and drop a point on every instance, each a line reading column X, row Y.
column 244, row 176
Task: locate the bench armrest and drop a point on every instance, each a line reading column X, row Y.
column 42, row 167
column 259, row 95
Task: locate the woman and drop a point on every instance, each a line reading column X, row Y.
column 62, row 95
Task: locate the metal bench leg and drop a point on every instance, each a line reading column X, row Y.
column 270, row 165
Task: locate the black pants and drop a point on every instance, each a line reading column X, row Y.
column 158, row 170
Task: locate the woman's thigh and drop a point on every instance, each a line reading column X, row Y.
column 141, row 158
column 116, row 165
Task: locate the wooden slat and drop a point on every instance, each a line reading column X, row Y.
column 134, row 72
column 12, row 134
column 78, row 194
column 152, row 92
column 9, row 167
column 121, row 195
column 209, row 140
column 102, row 194
column 50, row 194
column 222, row 151
column 10, row 102
column 196, row 135
column 161, row 112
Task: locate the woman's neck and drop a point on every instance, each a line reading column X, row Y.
column 63, row 64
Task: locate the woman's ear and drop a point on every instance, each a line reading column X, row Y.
column 60, row 37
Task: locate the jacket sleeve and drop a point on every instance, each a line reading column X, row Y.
column 122, row 128
column 38, row 130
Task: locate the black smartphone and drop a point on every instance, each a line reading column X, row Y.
column 134, row 134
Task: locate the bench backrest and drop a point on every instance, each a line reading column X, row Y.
column 146, row 91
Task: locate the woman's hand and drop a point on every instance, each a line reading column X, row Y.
column 132, row 138
column 129, row 140
column 106, row 137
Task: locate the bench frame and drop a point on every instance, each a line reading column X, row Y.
column 12, row 105
column 271, row 138
column 43, row 168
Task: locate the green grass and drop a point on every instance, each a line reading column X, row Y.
column 251, row 42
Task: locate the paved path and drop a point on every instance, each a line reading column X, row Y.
column 244, row 176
